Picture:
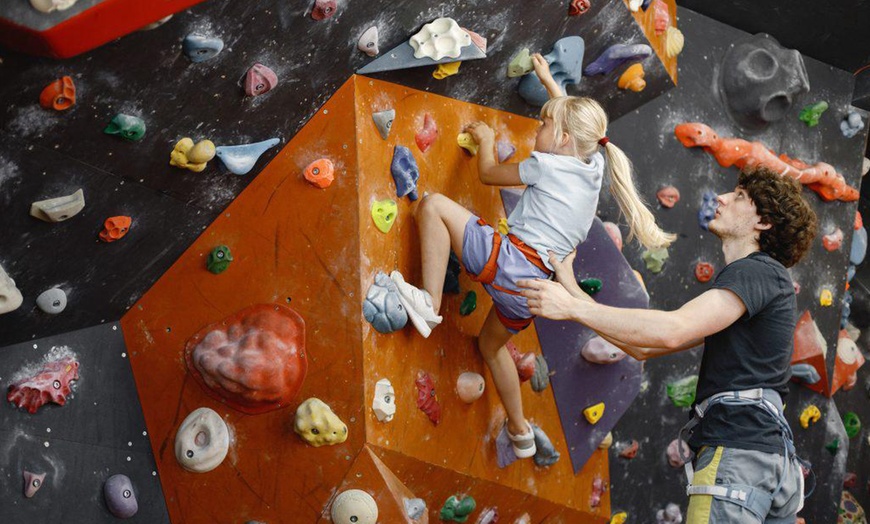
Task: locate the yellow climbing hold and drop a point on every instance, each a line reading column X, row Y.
column 445, row 70
column 593, row 413
column 619, row 518
column 826, row 298
column 190, row 156
column 466, row 142
column 607, row 441
column 503, row 226
column 810, row 414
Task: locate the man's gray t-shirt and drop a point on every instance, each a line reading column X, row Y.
column 556, row 209
column 753, row 352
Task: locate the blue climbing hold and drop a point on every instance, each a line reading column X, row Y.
column 566, row 66
column 240, row 159
column 405, row 172
column 616, row 55
column 199, row 48
column 707, row 211
column 645, row 5
column 382, row 307
column 859, row 247
column 805, row 373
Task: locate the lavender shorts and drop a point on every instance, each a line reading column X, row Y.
column 512, row 266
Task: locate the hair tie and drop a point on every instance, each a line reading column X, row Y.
column 603, row 142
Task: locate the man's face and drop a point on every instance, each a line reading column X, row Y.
column 736, row 215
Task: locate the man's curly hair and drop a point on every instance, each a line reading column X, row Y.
column 779, row 203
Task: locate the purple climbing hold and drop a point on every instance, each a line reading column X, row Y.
column 645, row 5
column 616, row 55
column 546, row 454
column 405, row 172
column 120, row 498
column 566, row 66
column 505, row 150
column 707, row 211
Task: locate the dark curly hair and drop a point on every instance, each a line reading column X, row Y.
column 779, row 203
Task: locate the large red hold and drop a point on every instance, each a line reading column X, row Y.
column 49, row 384
column 427, row 400
column 253, row 360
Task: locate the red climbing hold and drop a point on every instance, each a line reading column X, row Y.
column 525, row 362
column 323, row 9
column 427, row 401
column 704, row 271
column 578, row 7
column 426, row 136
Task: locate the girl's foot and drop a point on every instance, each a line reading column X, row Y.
column 418, row 304
column 524, row 443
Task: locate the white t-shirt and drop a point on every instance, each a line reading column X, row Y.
column 556, row 209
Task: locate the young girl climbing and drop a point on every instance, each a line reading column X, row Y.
column 563, row 178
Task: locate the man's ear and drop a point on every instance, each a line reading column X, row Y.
column 762, row 226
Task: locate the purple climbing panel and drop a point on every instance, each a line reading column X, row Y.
column 577, row 383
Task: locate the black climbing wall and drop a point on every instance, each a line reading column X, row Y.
column 99, row 432
column 647, row 482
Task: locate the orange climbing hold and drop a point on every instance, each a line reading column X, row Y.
column 115, row 228
column 632, row 78
column 59, row 95
column 320, row 173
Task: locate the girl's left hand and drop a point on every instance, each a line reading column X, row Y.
column 548, row 299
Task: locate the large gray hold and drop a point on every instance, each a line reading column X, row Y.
column 541, row 379
column 120, row 498
column 52, row 301
column 759, row 81
column 60, row 208
column 382, row 307
column 415, row 508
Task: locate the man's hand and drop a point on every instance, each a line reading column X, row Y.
column 481, row 133
column 549, row 299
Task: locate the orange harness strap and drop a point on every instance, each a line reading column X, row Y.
column 487, row 274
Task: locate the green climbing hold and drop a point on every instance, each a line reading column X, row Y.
column 469, row 304
column 219, row 259
column 128, row 127
column 590, row 286
column 457, row 510
column 833, row 447
column 811, row 114
column 682, row 392
column 655, row 259
column 852, row 424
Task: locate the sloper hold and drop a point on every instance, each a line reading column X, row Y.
column 199, row 48
column 402, row 57
column 384, row 121
column 202, row 441
column 10, row 297
column 368, row 41
column 566, row 62
column 60, row 208
column 47, row 6
column 440, row 38
column 616, row 55
column 259, row 80
column 128, row 127
column 405, row 172
column 240, row 159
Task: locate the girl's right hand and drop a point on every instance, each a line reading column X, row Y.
column 542, row 68
column 481, row 132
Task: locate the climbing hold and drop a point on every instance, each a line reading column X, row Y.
column 384, row 214
column 354, row 506
column 426, row 136
column 384, row 403
column 566, row 62
column 832, row 241
column 629, row 451
column 52, row 301
column 707, row 211
column 541, row 378
column 199, row 48
column 850, row 480
column 427, row 401
column 606, row 442
column 851, row 124
column 614, row 233
column 594, row 413
column 193, row 157
column 622, row 516
column 833, row 446
column 323, row 9
column 639, row 278
column 219, row 259
column 202, row 441
column 674, row 42
column 677, row 449
column 616, row 55
column 241, row 159
column 155, row 24
column 456, row 509
column 488, row 516
column 682, row 392
column 47, row 6
column 590, row 286
column 442, row 71
column 671, row 513
column 525, row 362
column 32, row 483
column 852, row 424
column 10, row 296
column 259, row 80
column 60, row 208
column 704, row 271
column 826, row 297
column 661, row 17
column 598, row 489
column 849, row 358
column 632, row 78
column 441, row 38
column 504, row 150
column 469, row 304
column 655, row 259
column 451, row 276
column 476, row 39
column 520, row 64
column 805, row 373
column 466, row 142
column 599, row 351
column 502, row 226
column 545, row 454
column 317, row 424
column 51, row 383
column 128, row 127
column 859, row 247
column 120, row 498
column 59, row 95
column 405, row 172
column 415, row 508
column 810, row 414
column 384, row 121
column 320, row 173
column 368, row 41
column 811, row 113
column 470, row 386
column 578, row 7
column 114, row 228
column 253, row 360
column 668, row 196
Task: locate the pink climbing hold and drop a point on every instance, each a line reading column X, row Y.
column 614, row 233
column 598, row 489
column 833, row 241
column 675, row 459
column 629, row 451
column 668, row 196
column 476, row 39
column 426, row 136
column 323, row 9
column 50, row 384
column 525, row 362
column 260, row 80
column 661, row 17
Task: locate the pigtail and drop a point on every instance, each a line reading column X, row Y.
column 641, row 222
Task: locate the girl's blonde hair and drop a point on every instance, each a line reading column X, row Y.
column 586, row 123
